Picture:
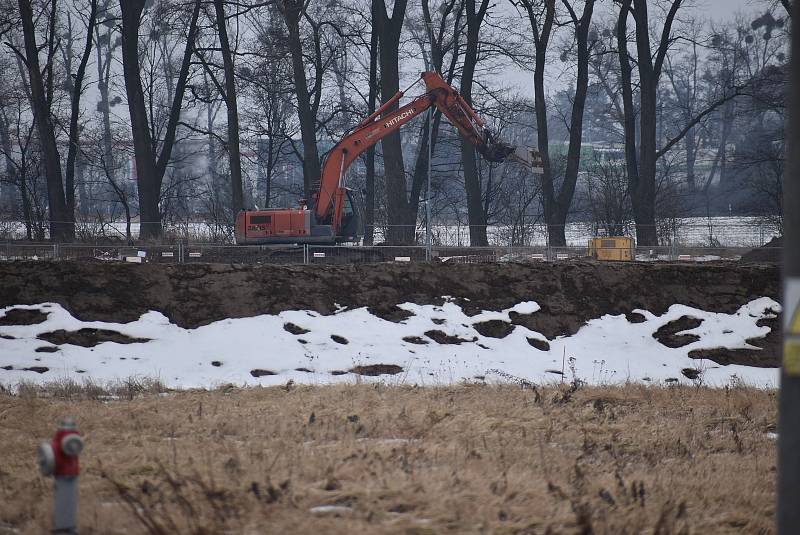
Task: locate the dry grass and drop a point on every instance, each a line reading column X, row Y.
column 465, row 459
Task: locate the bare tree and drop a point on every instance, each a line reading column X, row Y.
column 439, row 39
column 650, row 65
column 607, row 195
column 229, row 95
column 400, row 220
column 684, row 76
column 42, row 92
column 293, row 12
column 18, row 143
column 151, row 164
column 76, row 87
column 642, row 159
column 268, row 81
column 369, row 179
column 475, row 213
column 557, row 200
column 62, row 222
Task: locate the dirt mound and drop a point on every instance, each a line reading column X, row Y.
column 668, row 334
column 569, row 293
column 772, row 251
column 494, row 328
column 441, row 337
column 294, row 329
column 260, row 373
column 22, row 316
column 374, row 370
column 541, row 345
column 88, row 337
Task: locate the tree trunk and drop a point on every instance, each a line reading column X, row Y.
column 643, row 195
column 691, row 159
column 727, row 123
column 148, row 184
column 26, row 208
column 8, row 201
column 340, row 71
column 269, row 172
column 629, row 112
column 292, row 11
column 401, row 225
column 643, row 190
column 472, row 182
column 564, row 199
column 62, row 222
column 149, row 170
column 9, row 192
column 104, row 78
column 77, row 91
column 369, row 180
column 211, row 163
column 234, row 153
column 541, row 38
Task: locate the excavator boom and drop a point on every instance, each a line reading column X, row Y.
column 380, row 124
column 331, row 198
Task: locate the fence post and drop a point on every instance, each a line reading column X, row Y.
column 674, row 242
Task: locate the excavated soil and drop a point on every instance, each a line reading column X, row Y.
column 569, row 293
column 668, row 334
column 88, row 337
column 771, row 251
column 21, row 316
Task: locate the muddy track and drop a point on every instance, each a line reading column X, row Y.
column 568, row 293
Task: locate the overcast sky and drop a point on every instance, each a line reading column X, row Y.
column 718, row 10
column 722, row 9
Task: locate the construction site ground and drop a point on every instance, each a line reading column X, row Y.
column 374, row 457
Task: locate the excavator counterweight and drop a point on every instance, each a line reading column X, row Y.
column 334, row 214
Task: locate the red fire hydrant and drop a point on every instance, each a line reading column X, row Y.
column 59, row 458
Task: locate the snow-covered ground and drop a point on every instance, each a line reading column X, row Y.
column 607, row 350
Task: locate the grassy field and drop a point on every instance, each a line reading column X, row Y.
column 382, row 459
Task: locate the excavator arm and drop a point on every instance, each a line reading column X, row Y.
column 329, row 199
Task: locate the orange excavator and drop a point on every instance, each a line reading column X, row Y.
column 335, row 216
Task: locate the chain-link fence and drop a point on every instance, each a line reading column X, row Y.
column 696, row 239
column 186, row 252
column 687, row 232
column 709, row 232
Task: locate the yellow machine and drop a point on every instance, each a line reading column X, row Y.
column 611, row 248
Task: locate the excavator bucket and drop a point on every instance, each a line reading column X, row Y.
column 497, row 152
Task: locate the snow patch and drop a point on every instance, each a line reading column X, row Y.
column 606, row 350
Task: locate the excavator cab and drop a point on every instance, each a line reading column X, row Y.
column 352, row 223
